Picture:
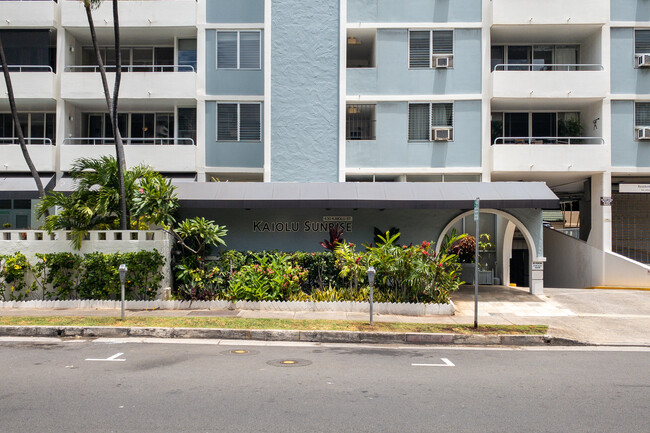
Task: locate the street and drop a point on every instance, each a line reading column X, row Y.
column 127, row 385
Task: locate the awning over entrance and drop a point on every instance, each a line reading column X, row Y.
column 22, row 187
column 403, row 195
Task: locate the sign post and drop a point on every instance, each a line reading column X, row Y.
column 122, row 271
column 476, row 222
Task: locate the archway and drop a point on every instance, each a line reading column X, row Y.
column 513, row 223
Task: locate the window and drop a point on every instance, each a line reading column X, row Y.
column 360, row 122
column 425, row 45
column 642, row 42
column 239, row 50
column 535, row 128
column 239, row 122
column 642, row 114
column 135, row 128
column 535, row 57
column 37, row 128
column 423, row 118
column 187, row 52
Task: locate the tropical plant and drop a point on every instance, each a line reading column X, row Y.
column 13, row 271
column 112, row 102
column 17, row 126
column 336, row 237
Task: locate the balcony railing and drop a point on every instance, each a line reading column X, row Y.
column 549, row 140
column 132, row 68
column 30, row 68
column 548, row 67
column 30, row 141
column 132, row 141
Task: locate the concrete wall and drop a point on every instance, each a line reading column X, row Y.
column 630, row 10
column 573, row 263
column 626, row 151
column 305, row 91
column 239, row 11
column 30, row 242
column 393, row 76
column 392, row 148
column 231, row 81
column 409, row 11
column 226, row 153
column 625, row 78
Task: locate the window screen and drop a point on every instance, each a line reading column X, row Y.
column 642, row 114
column 227, row 122
column 249, row 122
column 249, row 50
column 419, row 126
column 642, row 42
column 239, row 122
column 227, row 50
column 419, row 49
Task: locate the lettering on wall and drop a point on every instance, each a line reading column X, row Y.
column 306, row 226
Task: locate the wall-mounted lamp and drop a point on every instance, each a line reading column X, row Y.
column 71, row 49
column 70, row 118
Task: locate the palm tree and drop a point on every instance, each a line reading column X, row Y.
column 19, row 129
column 111, row 101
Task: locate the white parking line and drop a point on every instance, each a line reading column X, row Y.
column 110, row 358
column 447, row 363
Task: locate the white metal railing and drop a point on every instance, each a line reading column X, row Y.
column 549, row 140
column 548, row 67
column 30, row 68
column 31, row 140
column 132, row 68
column 134, row 141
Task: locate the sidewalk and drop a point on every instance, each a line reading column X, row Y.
column 607, row 317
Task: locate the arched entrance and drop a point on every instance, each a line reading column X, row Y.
column 512, row 225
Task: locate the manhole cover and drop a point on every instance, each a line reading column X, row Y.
column 240, row 352
column 293, row 362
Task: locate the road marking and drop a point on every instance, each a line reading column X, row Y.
column 447, row 363
column 110, row 358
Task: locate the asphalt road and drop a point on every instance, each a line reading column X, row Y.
column 165, row 387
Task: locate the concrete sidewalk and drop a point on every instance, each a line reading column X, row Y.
column 607, row 317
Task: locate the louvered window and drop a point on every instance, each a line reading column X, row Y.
column 239, row 122
column 642, row 114
column 238, row 50
column 424, row 45
column 424, row 117
column 642, row 42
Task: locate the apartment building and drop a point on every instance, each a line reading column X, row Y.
column 347, row 91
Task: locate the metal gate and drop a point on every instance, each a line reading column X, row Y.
column 631, row 226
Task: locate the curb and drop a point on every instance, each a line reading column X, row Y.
column 289, row 335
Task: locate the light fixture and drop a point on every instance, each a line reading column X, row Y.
column 353, row 109
column 71, row 49
column 353, row 41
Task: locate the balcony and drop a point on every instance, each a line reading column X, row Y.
column 152, row 13
column 517, row 12
column 17, row 14
column 138, row 81
column 31, row 81
column 162, row 154
column 41, row 150
column 549, row 81
column 524, row 154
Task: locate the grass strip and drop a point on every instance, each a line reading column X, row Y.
column 244, row 323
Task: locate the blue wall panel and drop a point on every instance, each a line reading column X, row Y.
column 230, row 81
column 409, row 11
column 305, row 91
column 229, row 154
column 630, row 10
column 234, row 11
column 626, row 151
column 392, row 149
column 393, row 76
column 625, row 78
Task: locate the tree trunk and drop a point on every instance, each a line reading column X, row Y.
column 119, row 146
column 19, row 129
column 112, row 112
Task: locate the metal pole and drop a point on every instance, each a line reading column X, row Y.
column 122, row 301
column 371, row 303
column 476, row 221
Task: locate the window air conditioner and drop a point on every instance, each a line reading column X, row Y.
column 643, row 61
column 442, row 61
column 643, row 133
column 441, row 134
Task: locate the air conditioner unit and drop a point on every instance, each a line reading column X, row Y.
column 643, row 133
column 441, row 134
column 442, row 61
column 643, row 61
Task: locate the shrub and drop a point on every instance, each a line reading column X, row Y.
column 58, row 272
column 13, row 270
